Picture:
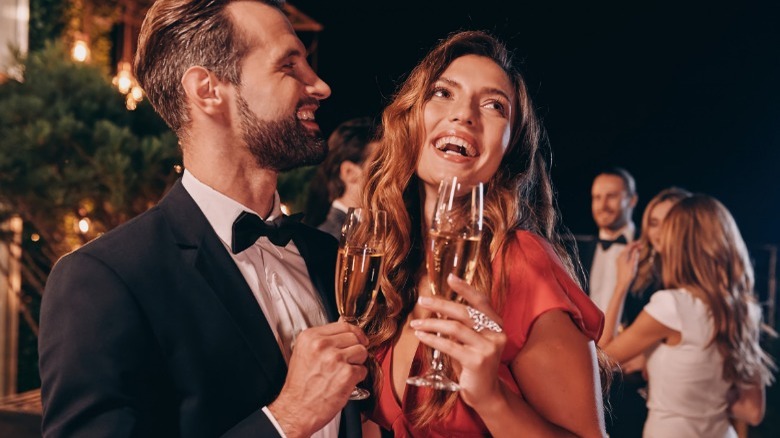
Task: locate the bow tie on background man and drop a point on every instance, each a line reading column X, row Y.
column 248, row 227
column 605, row 244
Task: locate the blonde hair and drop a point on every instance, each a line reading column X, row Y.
column 518, row 196
column 702, row 250
column 648, row 270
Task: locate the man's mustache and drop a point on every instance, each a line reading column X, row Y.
column 308, row 101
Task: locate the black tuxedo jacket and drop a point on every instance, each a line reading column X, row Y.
column 150, row 330
column 586, row 250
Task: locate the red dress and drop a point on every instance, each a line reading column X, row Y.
column 537, row 283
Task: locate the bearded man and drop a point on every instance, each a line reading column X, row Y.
column 613, row 198
column 208, row 315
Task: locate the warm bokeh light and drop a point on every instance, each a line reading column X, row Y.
column 130, row 103
column 125, row 82
column 137, row 92
column 35, row 237
column 285, row 209
column 84, row 225
column 80, row 51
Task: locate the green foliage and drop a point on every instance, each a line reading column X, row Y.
column 69, row 148
column 292, row 187
column 48, row 20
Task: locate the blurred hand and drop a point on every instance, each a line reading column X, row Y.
column 627, row 264
column 636, row 364
column 326, row 364
column 478, row 354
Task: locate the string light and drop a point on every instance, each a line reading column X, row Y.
column 80, row 50
column 84, row 225
column 125, row 82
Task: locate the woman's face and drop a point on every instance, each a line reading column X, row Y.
column 467, row 122
column 657, row 215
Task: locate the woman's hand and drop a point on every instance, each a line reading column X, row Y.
column 627, row 263
column 478, row 353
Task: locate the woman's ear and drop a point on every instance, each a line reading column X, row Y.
column 204, row 90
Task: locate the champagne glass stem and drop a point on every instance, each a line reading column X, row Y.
column 436, row 363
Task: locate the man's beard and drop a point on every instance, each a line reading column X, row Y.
column 279, row 145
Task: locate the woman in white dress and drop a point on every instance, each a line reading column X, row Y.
column 700, row 334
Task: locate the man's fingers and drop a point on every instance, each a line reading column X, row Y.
column 355, row 355
column 335, row 329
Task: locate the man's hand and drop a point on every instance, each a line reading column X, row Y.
column 326, row 364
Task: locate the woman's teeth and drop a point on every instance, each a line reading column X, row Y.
column 455, row 145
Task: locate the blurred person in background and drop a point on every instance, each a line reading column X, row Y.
column 613, row 198
column 338, row 182
column 701, row 332
column 628, row 393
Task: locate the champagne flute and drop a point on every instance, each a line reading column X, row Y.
column 453, row 248
column 359, row 263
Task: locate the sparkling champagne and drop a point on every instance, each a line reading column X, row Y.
column 357, row 281
column 450, row 254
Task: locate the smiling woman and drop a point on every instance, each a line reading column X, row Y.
column 465, row 112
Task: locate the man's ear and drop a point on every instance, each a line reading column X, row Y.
column 204, row 90
column 633, row 201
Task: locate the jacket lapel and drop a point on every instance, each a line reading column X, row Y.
column 202, row 248
column 318, row 250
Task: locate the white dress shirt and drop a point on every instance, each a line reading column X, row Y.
column 276, row 275
column 603, row 271
column 338, row 205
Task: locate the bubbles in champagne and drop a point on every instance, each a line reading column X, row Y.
column 357, row 281
column 450, row 253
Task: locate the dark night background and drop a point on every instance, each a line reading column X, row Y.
column 679, row 93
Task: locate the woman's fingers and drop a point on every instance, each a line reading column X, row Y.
column 469, row 348
column 454, row 310
column 449, row 328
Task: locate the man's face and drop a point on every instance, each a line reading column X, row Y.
column 279, row 92
column 610, row 202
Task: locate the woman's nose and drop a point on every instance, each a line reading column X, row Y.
column 462, row 112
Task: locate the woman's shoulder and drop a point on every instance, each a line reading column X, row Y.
column 531, row 248
column 672, row 307
column 537, row 282
column 677, row 297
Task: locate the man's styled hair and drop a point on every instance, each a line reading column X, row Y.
column 628, row 180
column 179, row 34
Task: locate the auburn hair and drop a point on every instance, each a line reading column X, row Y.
column 519, row 196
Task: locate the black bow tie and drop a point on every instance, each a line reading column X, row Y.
column 605, row 244
column 248, row 227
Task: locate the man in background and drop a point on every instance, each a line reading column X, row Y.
column 613, row 198
column 342, row 173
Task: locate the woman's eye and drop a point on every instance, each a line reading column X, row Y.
column 496, row 105
column 441, row 92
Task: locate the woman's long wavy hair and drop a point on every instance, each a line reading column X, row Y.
column 702, row 251
column 648, row 273
column 519, row 196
